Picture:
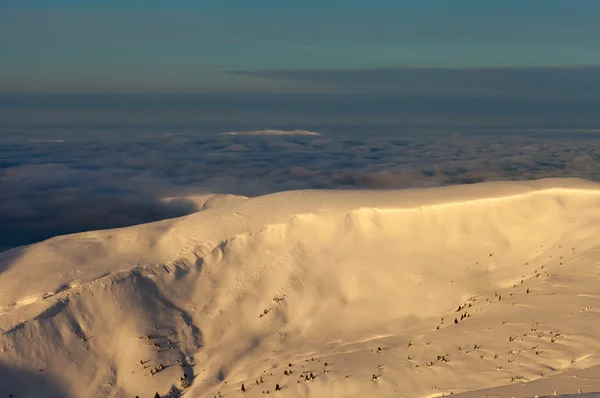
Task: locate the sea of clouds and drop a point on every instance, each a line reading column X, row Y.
column 60, row 181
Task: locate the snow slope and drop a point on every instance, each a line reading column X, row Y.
column 369, row 282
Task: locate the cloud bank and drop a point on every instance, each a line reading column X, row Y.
column 63, row 180
column 272, row 132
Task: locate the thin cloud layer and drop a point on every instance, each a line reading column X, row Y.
column 558, row 83
column 58, row 181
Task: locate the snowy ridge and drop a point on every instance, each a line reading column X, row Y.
column 360, row 280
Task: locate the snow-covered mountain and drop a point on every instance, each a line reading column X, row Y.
column 487, row 289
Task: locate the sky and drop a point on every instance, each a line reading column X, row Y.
column 316, row 46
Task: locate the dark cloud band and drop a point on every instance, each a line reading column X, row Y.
column 538, row 83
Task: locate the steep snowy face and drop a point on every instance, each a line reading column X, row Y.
column 373, row 269
column 383, row 286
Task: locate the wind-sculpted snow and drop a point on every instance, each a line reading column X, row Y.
column 466, row 290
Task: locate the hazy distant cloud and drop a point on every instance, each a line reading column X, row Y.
column 272, row 132
column 250, row 112
column 80, row 179
column 580, row 83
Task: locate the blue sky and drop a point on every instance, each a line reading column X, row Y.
column 190, row 46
